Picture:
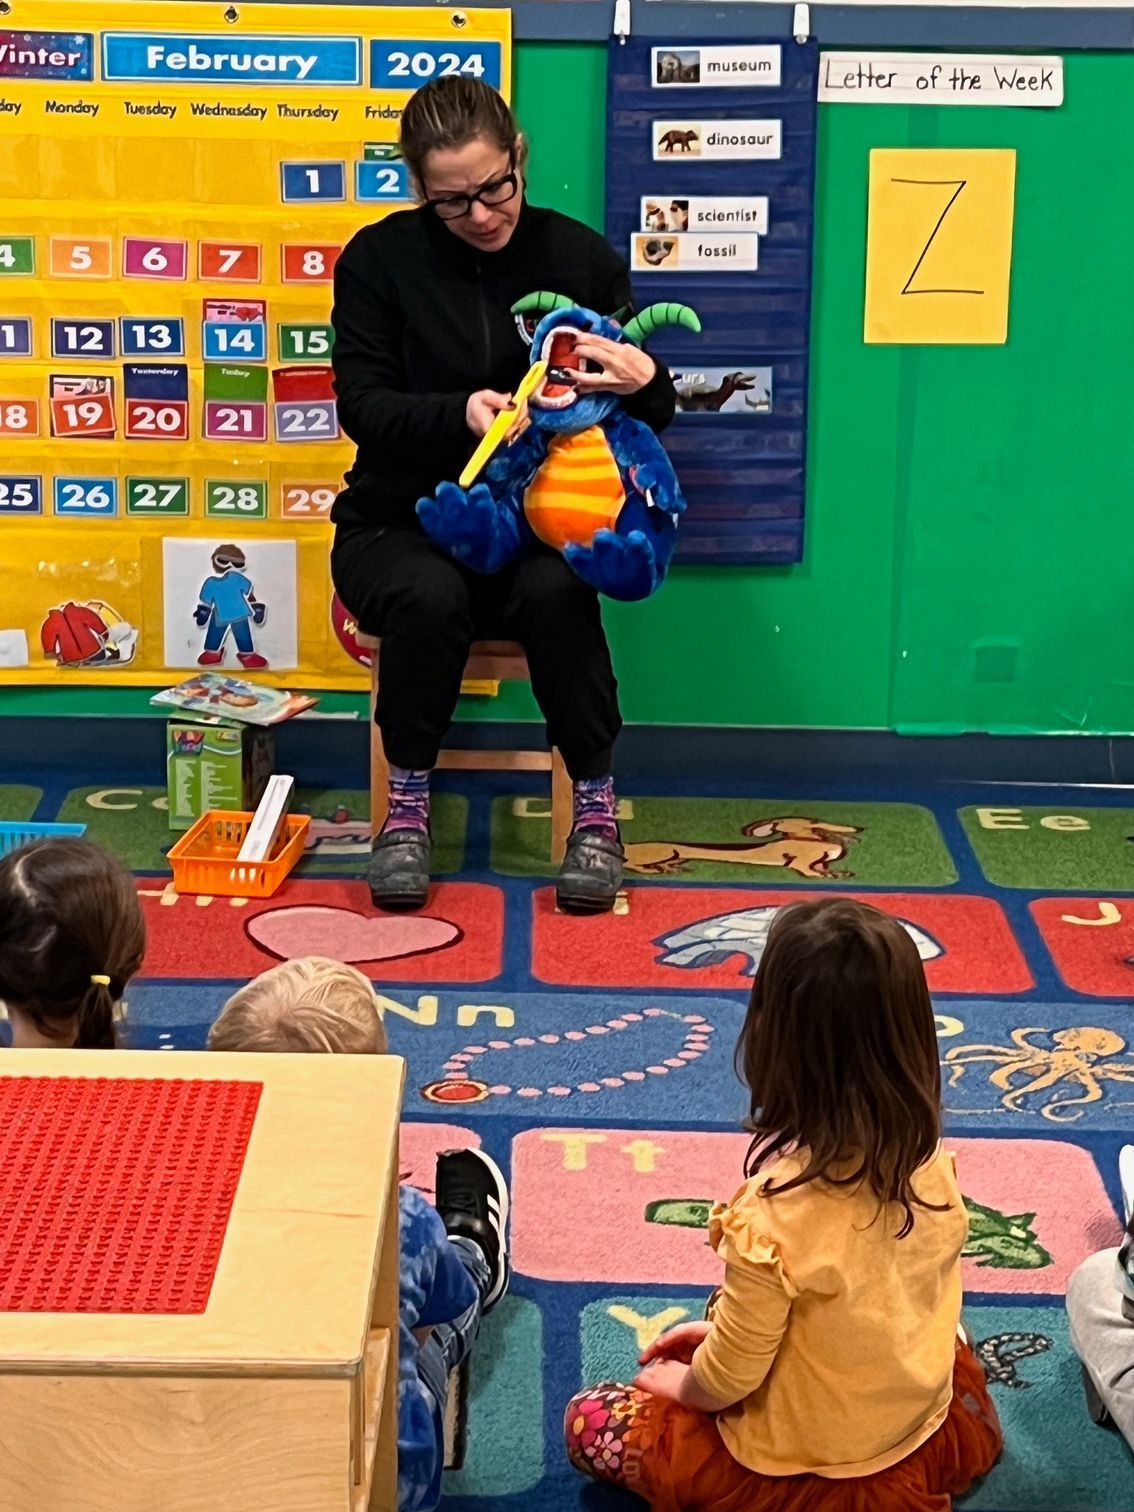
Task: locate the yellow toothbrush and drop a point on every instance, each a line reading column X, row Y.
column 497, row 432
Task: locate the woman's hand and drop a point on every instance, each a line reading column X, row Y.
column 482, row 409
column 625, row 367
column 678, row 1344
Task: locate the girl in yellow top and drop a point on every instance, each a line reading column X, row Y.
column 831, row 1374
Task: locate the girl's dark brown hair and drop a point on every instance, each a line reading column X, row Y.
column 449, row 112
column 68, row 913
column 839, row 1052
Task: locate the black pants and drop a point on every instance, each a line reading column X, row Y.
column 428, row 610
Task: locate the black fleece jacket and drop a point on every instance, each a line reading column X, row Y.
column 422, row 320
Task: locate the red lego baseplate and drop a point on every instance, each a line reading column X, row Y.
column 115, row 1193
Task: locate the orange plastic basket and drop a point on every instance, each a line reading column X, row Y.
column 204, row 859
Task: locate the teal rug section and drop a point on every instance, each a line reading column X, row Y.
column 616, row 1329
column 1055, row 1458
column 757, row 842
column 504, row 1454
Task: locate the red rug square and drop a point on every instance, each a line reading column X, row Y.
column 115, row 1193
column 1091, row 941
column 458, row 937
column 709, row 938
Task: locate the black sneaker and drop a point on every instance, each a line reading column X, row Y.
column 398, row 873
column 591, row 873
column 472, row 1198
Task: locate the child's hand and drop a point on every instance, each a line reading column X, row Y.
column 678, row 1344
column 664, row 1378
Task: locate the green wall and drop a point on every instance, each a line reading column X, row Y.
column 970, row 534
column 969, row 561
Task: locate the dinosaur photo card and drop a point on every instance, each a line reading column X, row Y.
column 723, row 390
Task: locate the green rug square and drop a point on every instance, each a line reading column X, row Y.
column 764, row 842
column 1052, row 849
column 132, row 822
column 18, row 802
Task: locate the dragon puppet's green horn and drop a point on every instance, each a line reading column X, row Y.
column 648, row 320
column 541, row 302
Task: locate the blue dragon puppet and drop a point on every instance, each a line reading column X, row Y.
column 582, row 476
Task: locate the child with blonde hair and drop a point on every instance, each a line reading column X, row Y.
column 831, row 1374
column 309, row 1004
column 454, row 1258
column 71, row 937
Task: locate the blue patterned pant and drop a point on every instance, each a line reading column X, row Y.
column 449, row 1343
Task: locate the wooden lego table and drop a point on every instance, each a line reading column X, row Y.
column 198, row 1282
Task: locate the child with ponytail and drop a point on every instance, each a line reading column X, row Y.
column 71, row 937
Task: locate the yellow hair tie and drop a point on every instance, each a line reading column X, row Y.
column 100, row 981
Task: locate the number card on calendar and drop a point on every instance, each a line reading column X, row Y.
column 304, row 407
column 82, row 406
column 19, row 418
column 156, row 397
column 236, row 403
column 176, row 187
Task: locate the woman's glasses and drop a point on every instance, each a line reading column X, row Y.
column 496, row 192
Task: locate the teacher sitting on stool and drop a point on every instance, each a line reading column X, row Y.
column 427, row 352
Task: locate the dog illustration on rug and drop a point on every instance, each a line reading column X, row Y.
column 807, row 847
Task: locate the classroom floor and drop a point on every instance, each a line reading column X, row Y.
column 593, row 1058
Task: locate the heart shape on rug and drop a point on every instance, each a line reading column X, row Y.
column 342, row 934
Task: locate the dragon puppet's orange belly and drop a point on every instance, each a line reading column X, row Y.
column 577, row 491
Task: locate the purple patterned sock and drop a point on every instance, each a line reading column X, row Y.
column 594, row 804
column 409, row 800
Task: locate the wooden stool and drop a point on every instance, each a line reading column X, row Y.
column 490, row 661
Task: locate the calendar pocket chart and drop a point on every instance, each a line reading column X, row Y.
column 174, row 196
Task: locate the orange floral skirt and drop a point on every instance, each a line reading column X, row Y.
column 675, row 1458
